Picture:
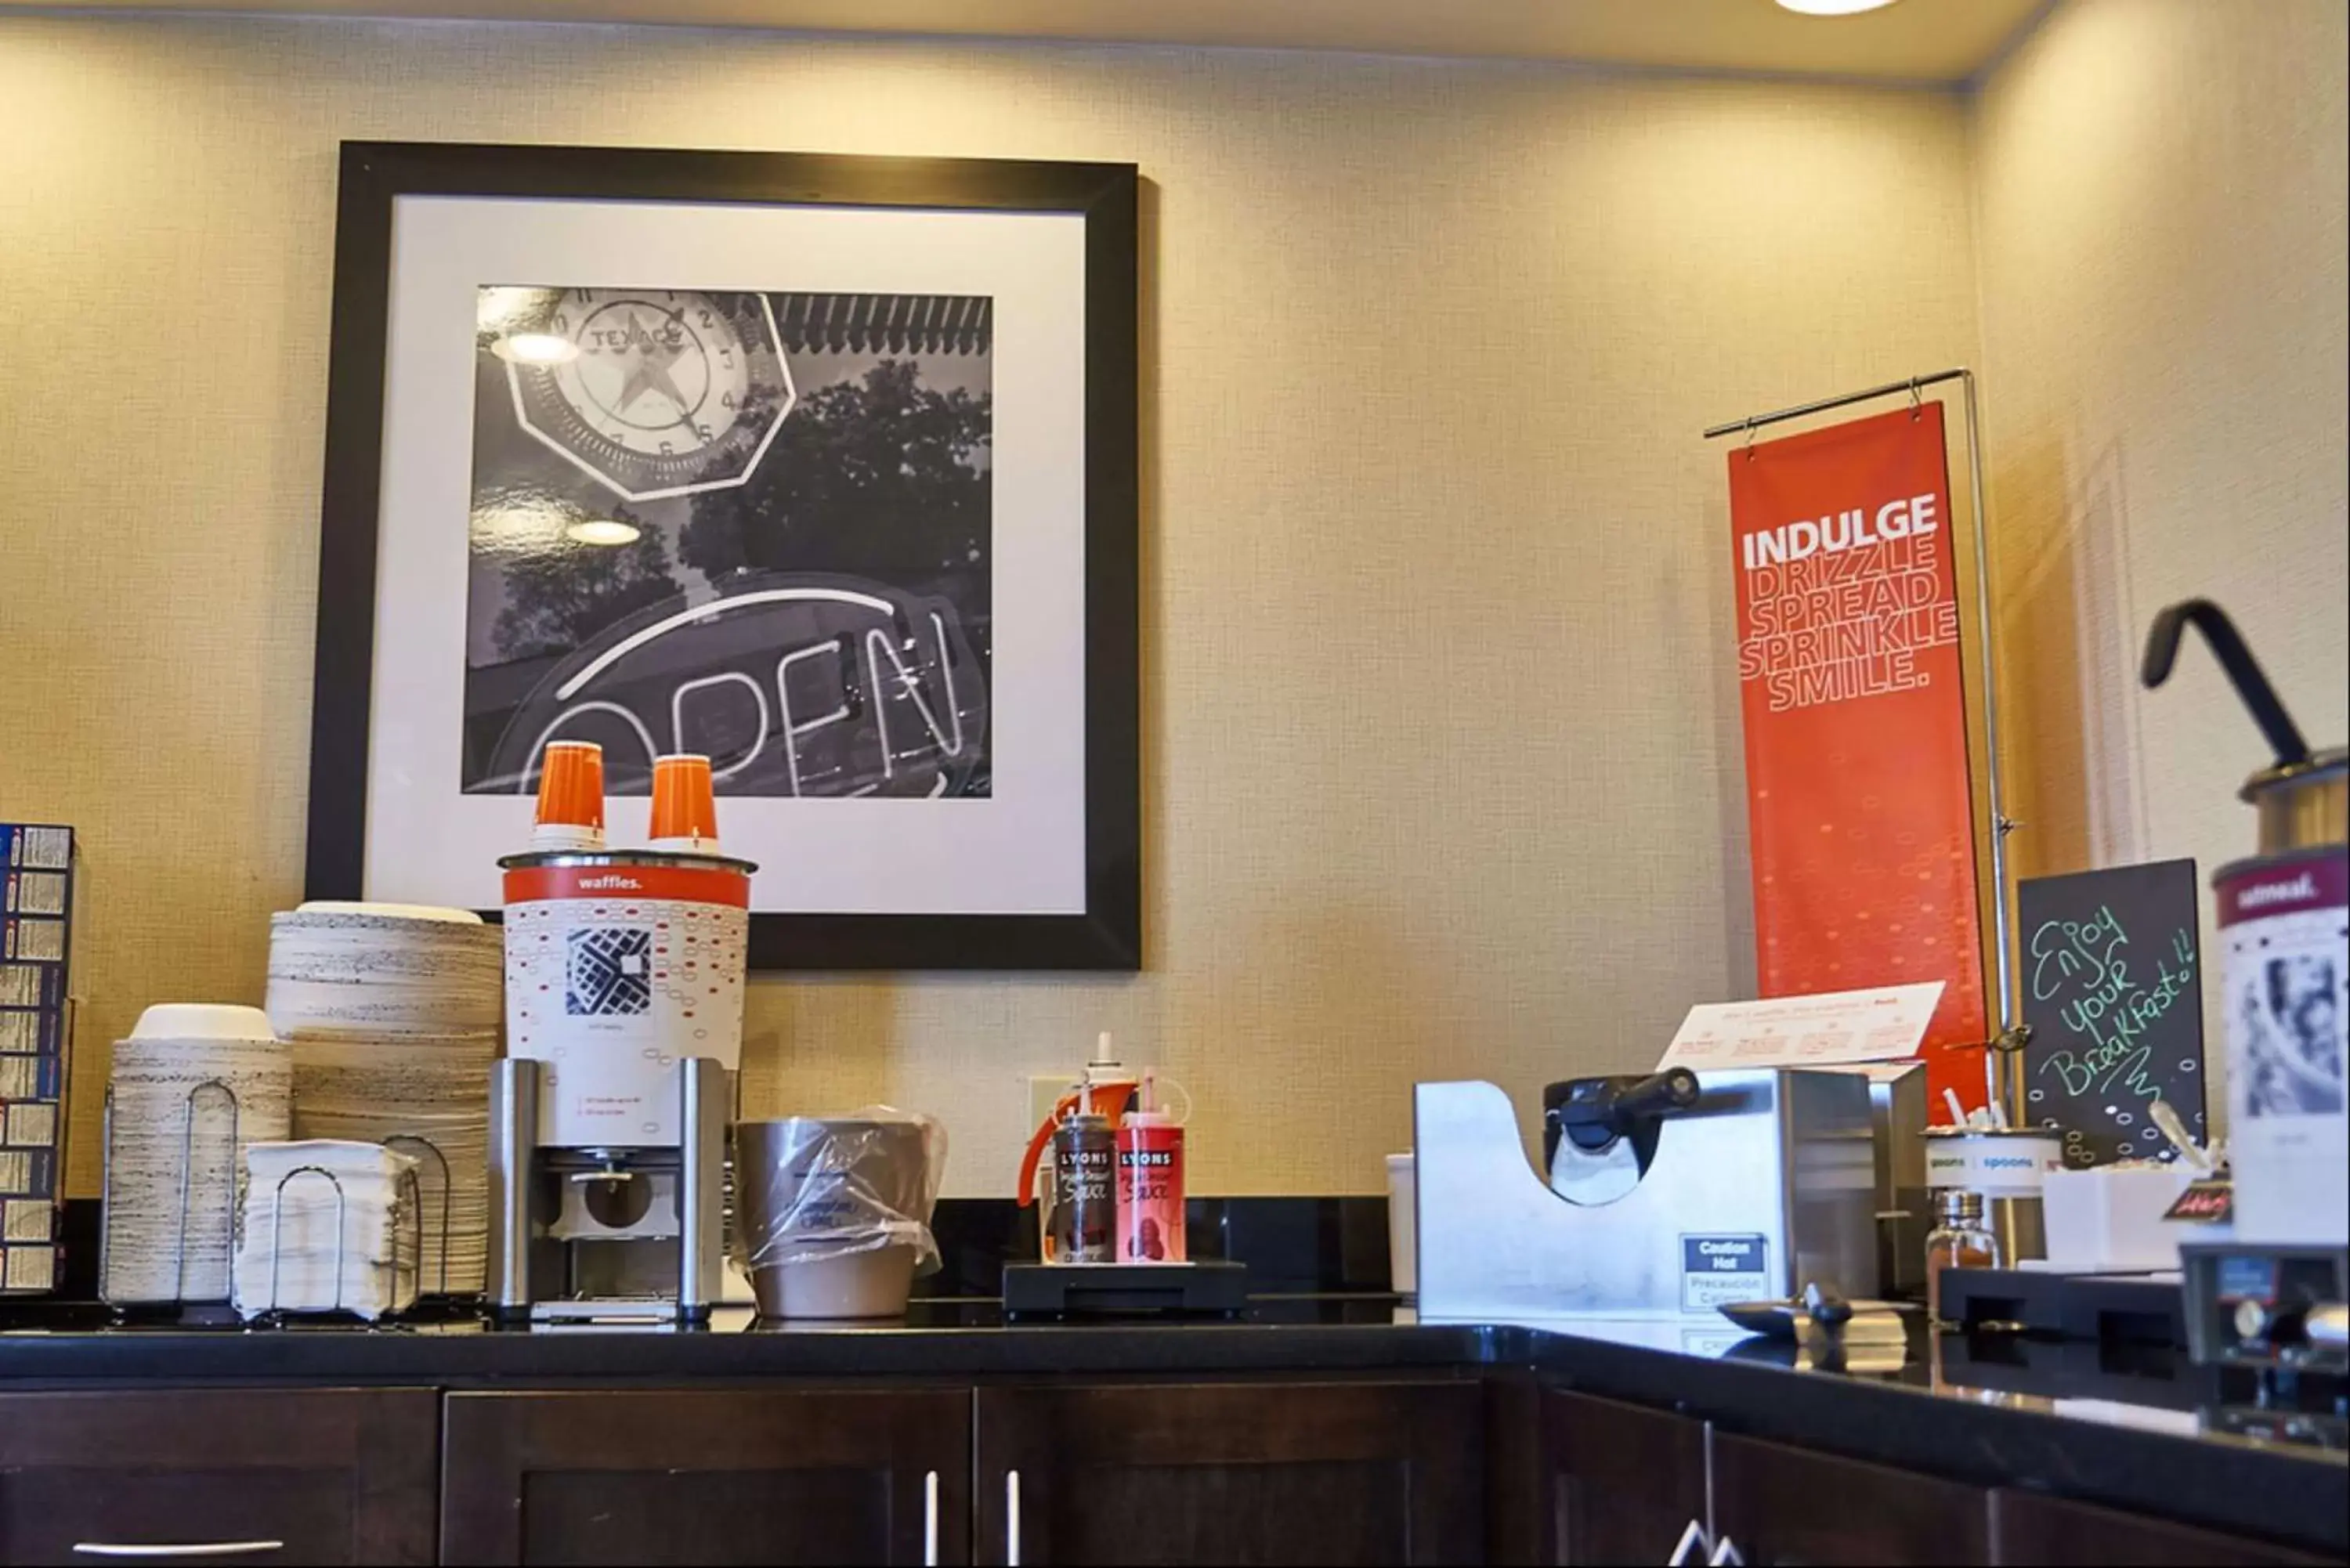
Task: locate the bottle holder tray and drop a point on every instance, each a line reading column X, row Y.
column 1211, row 1288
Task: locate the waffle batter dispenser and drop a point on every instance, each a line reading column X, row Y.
column 608, row 1117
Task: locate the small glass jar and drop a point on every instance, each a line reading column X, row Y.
column 1962, row 1241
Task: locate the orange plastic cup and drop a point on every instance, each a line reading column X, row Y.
column 685, row 804
column 570, row 798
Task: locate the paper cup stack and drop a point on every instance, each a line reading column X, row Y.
column 393, row 1011
column 328, row 1226
column 191, row 1086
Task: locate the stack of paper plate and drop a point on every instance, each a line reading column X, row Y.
column 393, row 1014
column 424, row 1095
column 328, row 1226
column 192, row 1085
column 384, row 969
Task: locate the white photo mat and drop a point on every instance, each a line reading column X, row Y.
column 1021, row 849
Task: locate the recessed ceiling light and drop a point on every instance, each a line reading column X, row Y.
column 536, row 349
column 604, row 531
column 1834, row 8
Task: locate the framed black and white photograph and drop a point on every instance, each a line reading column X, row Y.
column 821, row 466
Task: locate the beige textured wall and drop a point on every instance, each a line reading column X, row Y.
column 1442, row 739
column 2161, row 187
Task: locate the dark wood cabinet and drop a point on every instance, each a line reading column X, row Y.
column 1621, row 1483
column 707, row 1476
column 1777, row 1504
column 1258, row 1472
column 2027, row 1528
column 1406, row 1468
column 322, row 1476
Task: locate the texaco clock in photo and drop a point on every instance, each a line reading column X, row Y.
column 653, row 393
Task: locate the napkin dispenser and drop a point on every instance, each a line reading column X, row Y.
column 1671, row 1195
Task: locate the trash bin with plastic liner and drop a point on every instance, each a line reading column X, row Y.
column 833, row 1212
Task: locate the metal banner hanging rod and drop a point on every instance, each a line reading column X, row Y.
column 1908, row 384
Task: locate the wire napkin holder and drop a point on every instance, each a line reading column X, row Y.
column 179, row 1295
column 413, row 1206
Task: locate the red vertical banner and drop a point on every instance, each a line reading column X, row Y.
column 1857, row 795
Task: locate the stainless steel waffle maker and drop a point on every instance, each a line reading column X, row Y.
column 1661, row 1195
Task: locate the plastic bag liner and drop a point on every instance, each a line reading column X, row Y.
column 811, row 1188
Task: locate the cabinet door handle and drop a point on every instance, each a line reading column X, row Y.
column 1725, row 1555
column 1011, row 1519
column 193, row 1549
column 931, row 1519
column 1691, row 1548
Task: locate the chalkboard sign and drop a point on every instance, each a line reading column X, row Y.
column 2112, row 989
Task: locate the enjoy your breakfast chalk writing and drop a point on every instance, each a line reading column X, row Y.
column 2082, row 963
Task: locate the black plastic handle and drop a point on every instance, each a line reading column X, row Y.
column 1674, row 1089
column 1594, row 1112
column 2252, row 683
column 1825, row 1304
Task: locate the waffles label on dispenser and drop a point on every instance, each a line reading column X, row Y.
column 614, row 972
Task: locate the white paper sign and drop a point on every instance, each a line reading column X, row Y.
column 1823, row 1031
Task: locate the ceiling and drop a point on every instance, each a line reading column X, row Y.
column 1910, row 41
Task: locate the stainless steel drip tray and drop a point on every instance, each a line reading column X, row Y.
column 633, row 1311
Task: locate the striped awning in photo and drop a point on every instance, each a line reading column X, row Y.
column 886, row 322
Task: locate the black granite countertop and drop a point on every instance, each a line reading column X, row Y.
column 955, row 1338
column 2001, row 1413
column 1996, row 1411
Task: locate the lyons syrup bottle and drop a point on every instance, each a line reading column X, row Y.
column 1085, row 1187
column 1150, row 1182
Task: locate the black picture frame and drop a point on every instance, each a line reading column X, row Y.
column 374, row 175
